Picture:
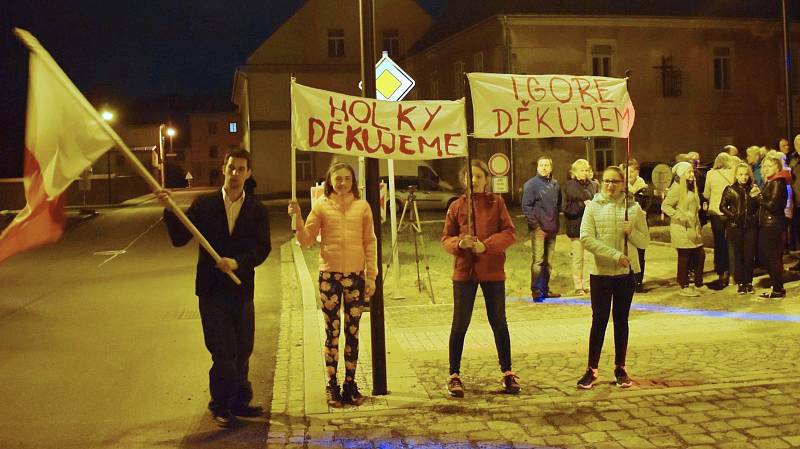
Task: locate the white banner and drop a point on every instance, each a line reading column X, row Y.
column 536, row 106
column 336, row 123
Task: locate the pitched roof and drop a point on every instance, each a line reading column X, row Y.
column 461, row 14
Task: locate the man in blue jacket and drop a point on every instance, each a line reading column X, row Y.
column 541, row 204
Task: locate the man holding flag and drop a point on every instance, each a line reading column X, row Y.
column 238, row 226
column 64, row 135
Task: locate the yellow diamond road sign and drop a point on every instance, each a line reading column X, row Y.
column 387, row 84
column 391, row 82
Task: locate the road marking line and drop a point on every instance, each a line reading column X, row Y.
column 658, row 308
column 125, row 250
column 109, row 253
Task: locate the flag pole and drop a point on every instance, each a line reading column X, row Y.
column 470, row 127
column 36, row 48
column 627, row 162
column 294, row 153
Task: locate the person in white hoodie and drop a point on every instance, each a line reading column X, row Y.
column 613, row 241
column 718, row 178
column 682, row 206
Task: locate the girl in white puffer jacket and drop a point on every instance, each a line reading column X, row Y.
column 605, row 233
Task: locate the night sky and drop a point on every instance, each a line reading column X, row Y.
column 137, row 55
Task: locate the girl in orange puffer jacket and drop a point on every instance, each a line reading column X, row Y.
column 348, row 268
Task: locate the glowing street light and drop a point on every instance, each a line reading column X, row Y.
column 107, row 115
column 171, row 133
column 162, row 129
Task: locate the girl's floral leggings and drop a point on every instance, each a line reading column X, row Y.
column 333, row 288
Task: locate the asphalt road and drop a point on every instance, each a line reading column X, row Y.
column 101, row 344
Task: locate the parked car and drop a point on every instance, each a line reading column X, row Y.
column 428, row 194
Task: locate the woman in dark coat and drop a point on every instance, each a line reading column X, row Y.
column 772, row 222
column 739, row 205
column 578, row 192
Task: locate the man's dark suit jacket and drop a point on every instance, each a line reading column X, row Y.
column 249, row 244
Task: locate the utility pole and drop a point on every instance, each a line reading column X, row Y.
column 377, row 325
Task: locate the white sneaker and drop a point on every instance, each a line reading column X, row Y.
column 688, row 291
column 703, row 290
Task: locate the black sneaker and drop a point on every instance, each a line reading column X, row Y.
column 247, row 411
column 742, row 289
column 351, row 395
column 455, row 387
column 334, row 396
column 510, row 383
column 223, row 418
column 586, row 382
column 621, row 375
column 749, row 288
column 774, row 294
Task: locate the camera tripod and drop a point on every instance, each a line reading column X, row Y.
column 411, row 213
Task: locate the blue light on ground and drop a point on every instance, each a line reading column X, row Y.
column 658, row 308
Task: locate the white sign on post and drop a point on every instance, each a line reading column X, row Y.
column 499, row 164
column 500, row 184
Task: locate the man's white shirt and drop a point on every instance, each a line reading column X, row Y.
column 232, row 209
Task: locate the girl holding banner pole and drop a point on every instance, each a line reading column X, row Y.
column 348, row 268
column 607, row 233
column 478, row 237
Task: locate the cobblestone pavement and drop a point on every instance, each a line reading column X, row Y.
column 703, row 379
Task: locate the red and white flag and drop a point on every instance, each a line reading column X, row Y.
column 64, row 135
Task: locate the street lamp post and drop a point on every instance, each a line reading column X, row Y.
column 108, row 116
column 171, row 134
column 162, row 128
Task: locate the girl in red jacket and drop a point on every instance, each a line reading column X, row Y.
column 347, row 271
column 479, row 252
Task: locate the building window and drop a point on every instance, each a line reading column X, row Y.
column 336, row 43
column 391, row 42
column 603, row 153
column 212, row 127
column 458, row 78
column 304, row 167
column 602, row 58
column 477, row 62
column 213, row 152
column 233, row 127
column 434, row 86
column 722, row 67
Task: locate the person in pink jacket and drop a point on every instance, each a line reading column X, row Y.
column 480, row 256
column 347, row 270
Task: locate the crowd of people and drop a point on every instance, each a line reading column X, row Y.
column 751, row 206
